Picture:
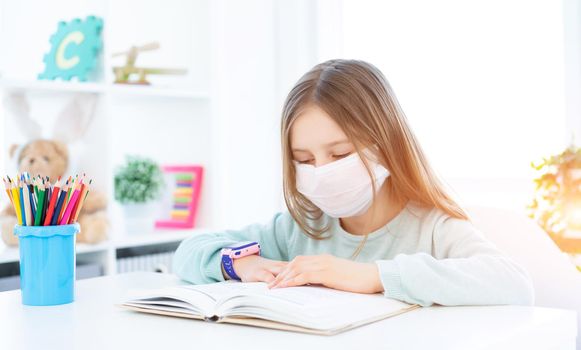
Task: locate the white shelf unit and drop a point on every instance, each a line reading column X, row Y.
column 106, row 253
column 127, row 116
column 232, row 93
column 101, row 88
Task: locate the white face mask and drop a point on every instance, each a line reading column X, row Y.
column 342, row 188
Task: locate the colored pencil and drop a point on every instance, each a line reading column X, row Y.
column 16, row 199
column 40, row 204
column 84, row 194
column 82, row 187
column 35, row 185
column 8, row 190
column 81, row 192
column 27, row 207
column 66, row 190
column 32, row 197
column 59, row 205
column 22, row 206
column 53, row 198
column 37, row 202
column 46, row 200
column 71, row 205
column 71, row 182
column 70, row 193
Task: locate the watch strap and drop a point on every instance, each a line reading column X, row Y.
column 228, row 265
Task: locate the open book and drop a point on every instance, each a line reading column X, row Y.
column 309, row 309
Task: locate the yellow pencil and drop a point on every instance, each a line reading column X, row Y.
column 16, row 199
column 8, row 192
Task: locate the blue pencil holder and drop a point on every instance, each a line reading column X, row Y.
column 47, row 263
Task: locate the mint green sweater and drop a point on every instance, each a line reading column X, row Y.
column 424, row 257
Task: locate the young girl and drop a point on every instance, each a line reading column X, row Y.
column 366, row 213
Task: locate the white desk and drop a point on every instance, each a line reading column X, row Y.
column 94, row 322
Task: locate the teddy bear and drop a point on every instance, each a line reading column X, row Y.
column 51, row 157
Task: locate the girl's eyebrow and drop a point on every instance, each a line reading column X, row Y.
column 330, row 144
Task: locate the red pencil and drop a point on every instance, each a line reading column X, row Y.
column 53, row 198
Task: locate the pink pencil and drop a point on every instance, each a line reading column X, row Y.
column 70, row 206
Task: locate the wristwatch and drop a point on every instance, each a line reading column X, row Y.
column 236, row 252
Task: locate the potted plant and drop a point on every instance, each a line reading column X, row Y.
column 138, row 184
column 556, row 205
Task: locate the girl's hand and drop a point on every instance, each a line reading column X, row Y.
column 331, row 272
column 254, row 268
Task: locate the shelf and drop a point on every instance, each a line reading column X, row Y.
column 156, row 237
column 57, row 86
column 179, row 112
column 153, row 91
column 11, row 254
column 50, row 85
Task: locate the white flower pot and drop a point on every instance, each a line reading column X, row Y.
column 140, row 217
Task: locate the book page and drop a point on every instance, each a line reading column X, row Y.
column 313, row 306
column 310, row 306
column 223, row 290
column 191, row 301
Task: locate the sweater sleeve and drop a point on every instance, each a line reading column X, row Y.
column 465, row 269
column 197, row 259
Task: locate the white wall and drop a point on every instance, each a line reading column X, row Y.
column 572, row 43
column 243, row 85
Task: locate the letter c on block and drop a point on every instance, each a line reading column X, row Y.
column 67, row 63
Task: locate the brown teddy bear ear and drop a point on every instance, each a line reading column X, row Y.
column 12, row 150
column 61, row 148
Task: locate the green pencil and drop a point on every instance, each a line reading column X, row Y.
column 39, row 206
column 34, row 182
column 70, row 189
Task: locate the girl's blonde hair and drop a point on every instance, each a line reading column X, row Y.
column 357, row 96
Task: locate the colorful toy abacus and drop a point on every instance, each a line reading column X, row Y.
column 185, row 196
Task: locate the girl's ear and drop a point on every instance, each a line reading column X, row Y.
column 17, row 104
column 75, row 117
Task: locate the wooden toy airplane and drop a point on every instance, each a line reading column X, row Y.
column 123, row 73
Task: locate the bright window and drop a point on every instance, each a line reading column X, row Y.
column 482, row 84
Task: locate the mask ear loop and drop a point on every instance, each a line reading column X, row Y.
column 365, row 161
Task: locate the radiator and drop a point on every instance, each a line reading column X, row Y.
column 158, row 262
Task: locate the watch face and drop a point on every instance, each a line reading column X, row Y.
column 243, row 250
